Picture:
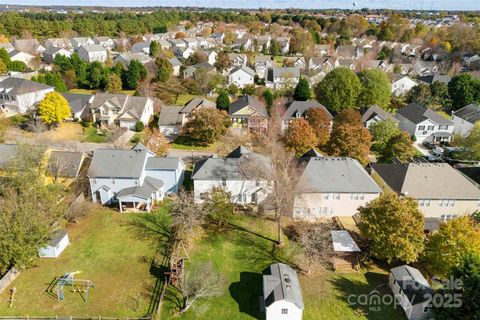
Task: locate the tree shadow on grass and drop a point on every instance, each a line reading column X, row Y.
column 256, row 252
column 367, row 299
column 247, row 293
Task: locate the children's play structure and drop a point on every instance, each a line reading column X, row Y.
column 77, row 285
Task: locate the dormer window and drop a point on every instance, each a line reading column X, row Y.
column 297, row 114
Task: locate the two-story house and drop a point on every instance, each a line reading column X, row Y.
column 241, row 76
column 122, row 110
column 93, row 52
column 262, row 63
column 248, row 113
column 20, row 95
column 106, row 42
column 299, row 109
column 236, row 173
column 441, row 191
column 281, row 78
column 424, row 124
column 465, row 119
column 133, row 178
column 81, row 41
column 402, row 84
column 331, row 186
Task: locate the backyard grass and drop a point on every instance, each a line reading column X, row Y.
column 183, row 99
column 86, row 91
column 91, row 134
column 241, row 256
column 105, row 247
column 179, row 146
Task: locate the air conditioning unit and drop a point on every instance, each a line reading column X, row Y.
column 424, row 132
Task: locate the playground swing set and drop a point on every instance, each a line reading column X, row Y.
column 78, row 285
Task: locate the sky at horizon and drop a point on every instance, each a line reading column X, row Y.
column 274, row 4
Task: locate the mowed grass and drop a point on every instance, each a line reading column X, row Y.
column 241, row 255
column 87, row 91
column 107, row 251
column 91, row 134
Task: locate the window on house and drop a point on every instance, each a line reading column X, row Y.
column 284, row 311
column 443, row 127
column 421, row 128
column 337, row 196
column 202, row 196
column 13, row 98
column 431, row 127
column 447, row 203
column 224, row 182
column 424, row 202
column 447, row 217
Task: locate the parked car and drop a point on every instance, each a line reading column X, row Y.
column 429, row 145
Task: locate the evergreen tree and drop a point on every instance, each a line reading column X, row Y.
column 302, row 90
column 223, row 101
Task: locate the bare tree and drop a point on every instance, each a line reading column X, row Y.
column 201, row 282
column 231, row 140
column 281, row 174
column 186, row 215
column 315, row 240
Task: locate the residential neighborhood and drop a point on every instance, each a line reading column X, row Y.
column 218, row 163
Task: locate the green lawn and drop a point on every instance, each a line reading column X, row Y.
column 87, row 91
column 179, row 146
column 91, row 134
column 242, row 255
column 105, row 247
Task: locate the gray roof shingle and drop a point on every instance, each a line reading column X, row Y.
column 280, row 283
column 65, row 163
column 427, row 181
column 302, row 107
column 16, row 86
column 116, row 163
column 244, row 101
column 335, row 174
column 417, row 114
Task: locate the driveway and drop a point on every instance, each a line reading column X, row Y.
column 421, row 149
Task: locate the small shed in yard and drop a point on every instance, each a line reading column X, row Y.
column 412, row 292
column 282, row 295
column 58, row 242
column 345, row 251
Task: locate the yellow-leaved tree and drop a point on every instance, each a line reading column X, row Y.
column 54, row 109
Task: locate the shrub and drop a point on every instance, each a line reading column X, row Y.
column 139, row 126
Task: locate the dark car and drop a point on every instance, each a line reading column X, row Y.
column 429, row 145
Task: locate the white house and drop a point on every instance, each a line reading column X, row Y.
column 241, row 76
column 58, row 242
column 262, row 63
column 465, row 119
column 93, row 52
column 176, row 64
column 170, row 121
column 192, row 43
column 402, row 84
column 412, row 292
column 106, row 42
column 51, row 53
column 133, row 178
column 24, row 57
column 19, row 95
column 280, row 78
column 81, row 41
column 122, row 110
column 282, row 294
column 235, row 173
column 330, row 187
column 424, row 124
